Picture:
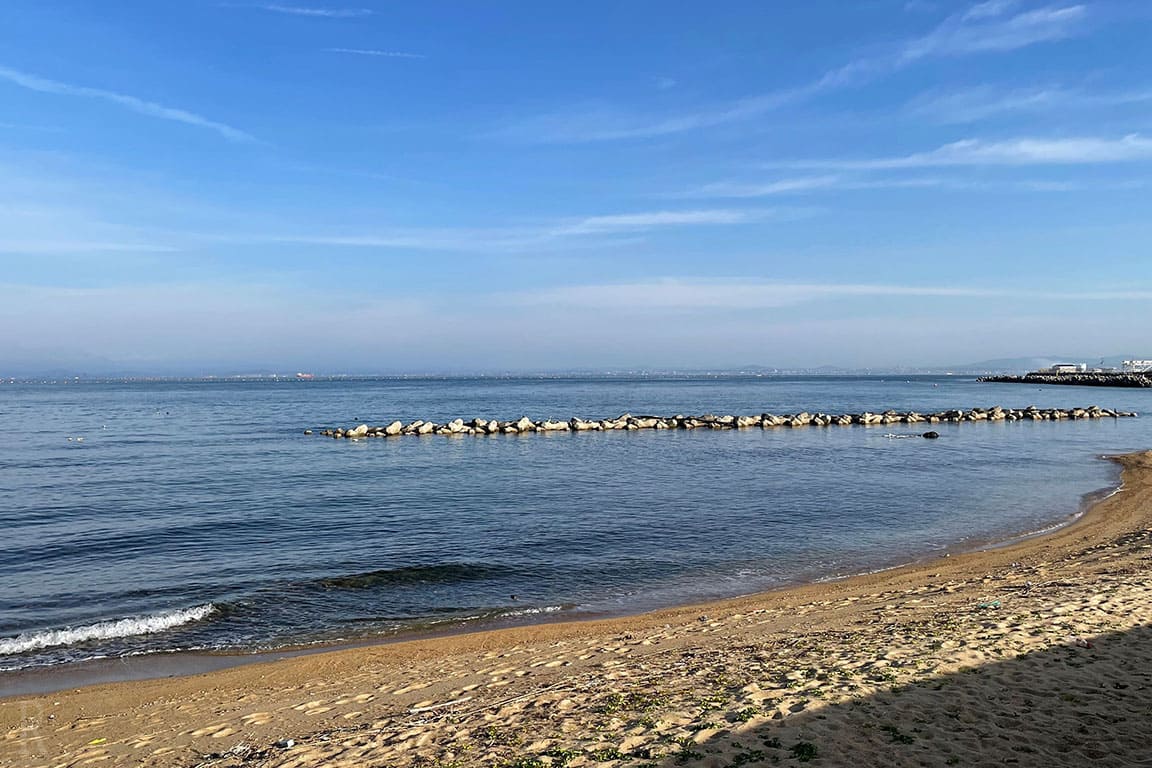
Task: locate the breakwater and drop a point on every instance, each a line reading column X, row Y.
column 1113, row 379
column 627, row 421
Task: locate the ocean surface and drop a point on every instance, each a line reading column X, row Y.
column 197, row 515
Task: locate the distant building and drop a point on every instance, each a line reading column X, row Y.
column 1068, row 368
column 1137, row 366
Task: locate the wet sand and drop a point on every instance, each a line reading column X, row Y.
column 1034, row 653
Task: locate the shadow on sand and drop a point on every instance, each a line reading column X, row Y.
column 1068, row 705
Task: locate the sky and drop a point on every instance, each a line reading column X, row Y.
column 198, row 186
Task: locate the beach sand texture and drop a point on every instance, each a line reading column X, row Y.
column 1034, row 654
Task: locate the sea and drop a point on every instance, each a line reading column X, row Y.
column 173, row 517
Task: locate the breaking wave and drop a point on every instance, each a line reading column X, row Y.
column 104, row 630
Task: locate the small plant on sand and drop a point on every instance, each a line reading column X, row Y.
column 634, row 702
column 687, row 751
column 493, row 736
column 561, row 756
column 773, row 742
column 607, row 753
column 749, row 757
column 744, row 715
column 710, row 701
column 524, row 762
column 898, row 737
column 803, row 751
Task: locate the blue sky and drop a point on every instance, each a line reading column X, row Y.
column 202, row 186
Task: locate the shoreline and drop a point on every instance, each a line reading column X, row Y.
column 161, row 664
column 255, row 705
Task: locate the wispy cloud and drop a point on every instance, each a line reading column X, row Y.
column 600, row 122
column 986, row 27
column 590, row 231
column 646, row 222
column 47, row 246
column 993, row 26
column 862, row 182
column 149, row 108
column 1024, row 151
column 326, row 13
column 805, row 184
column 971, row 105
column 463, row 240
column 693, row 294
column 374, row 52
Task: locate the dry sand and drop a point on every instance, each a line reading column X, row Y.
column 1034, row 654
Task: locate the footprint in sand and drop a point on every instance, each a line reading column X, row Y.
column 257, row 718
column 217, row 731
column 88, row 724
column 93, row 756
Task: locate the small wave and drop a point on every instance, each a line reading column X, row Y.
column 418, row 574
column 104, row 630
column 535, row 611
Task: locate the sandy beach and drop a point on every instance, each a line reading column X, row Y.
column 1036, row 653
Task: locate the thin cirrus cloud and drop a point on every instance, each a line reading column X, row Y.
column 691, row 294
column 1014, row 152
column 993, row 26
column 376, row 52
column 842, row 183
column 316, row 12
column 648, row 221
column 140, row 106
column 806, row 184
column 39, row 247
column 590, row 229
column 969, row 105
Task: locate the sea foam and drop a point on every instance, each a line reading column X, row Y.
column 104, row 630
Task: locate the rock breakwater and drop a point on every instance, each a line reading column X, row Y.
column 1115, row 379
column 627, row 421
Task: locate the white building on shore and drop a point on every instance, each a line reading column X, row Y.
column 1067, row 368
column 1137, row 366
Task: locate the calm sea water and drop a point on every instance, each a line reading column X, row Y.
column 197, row 515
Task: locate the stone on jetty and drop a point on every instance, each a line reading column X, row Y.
column 1086, row 379
column 628, row 422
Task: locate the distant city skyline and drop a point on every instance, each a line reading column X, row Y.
column 197, row 186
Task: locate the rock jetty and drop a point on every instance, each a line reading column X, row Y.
column 627, row 421
column 1106, row 379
